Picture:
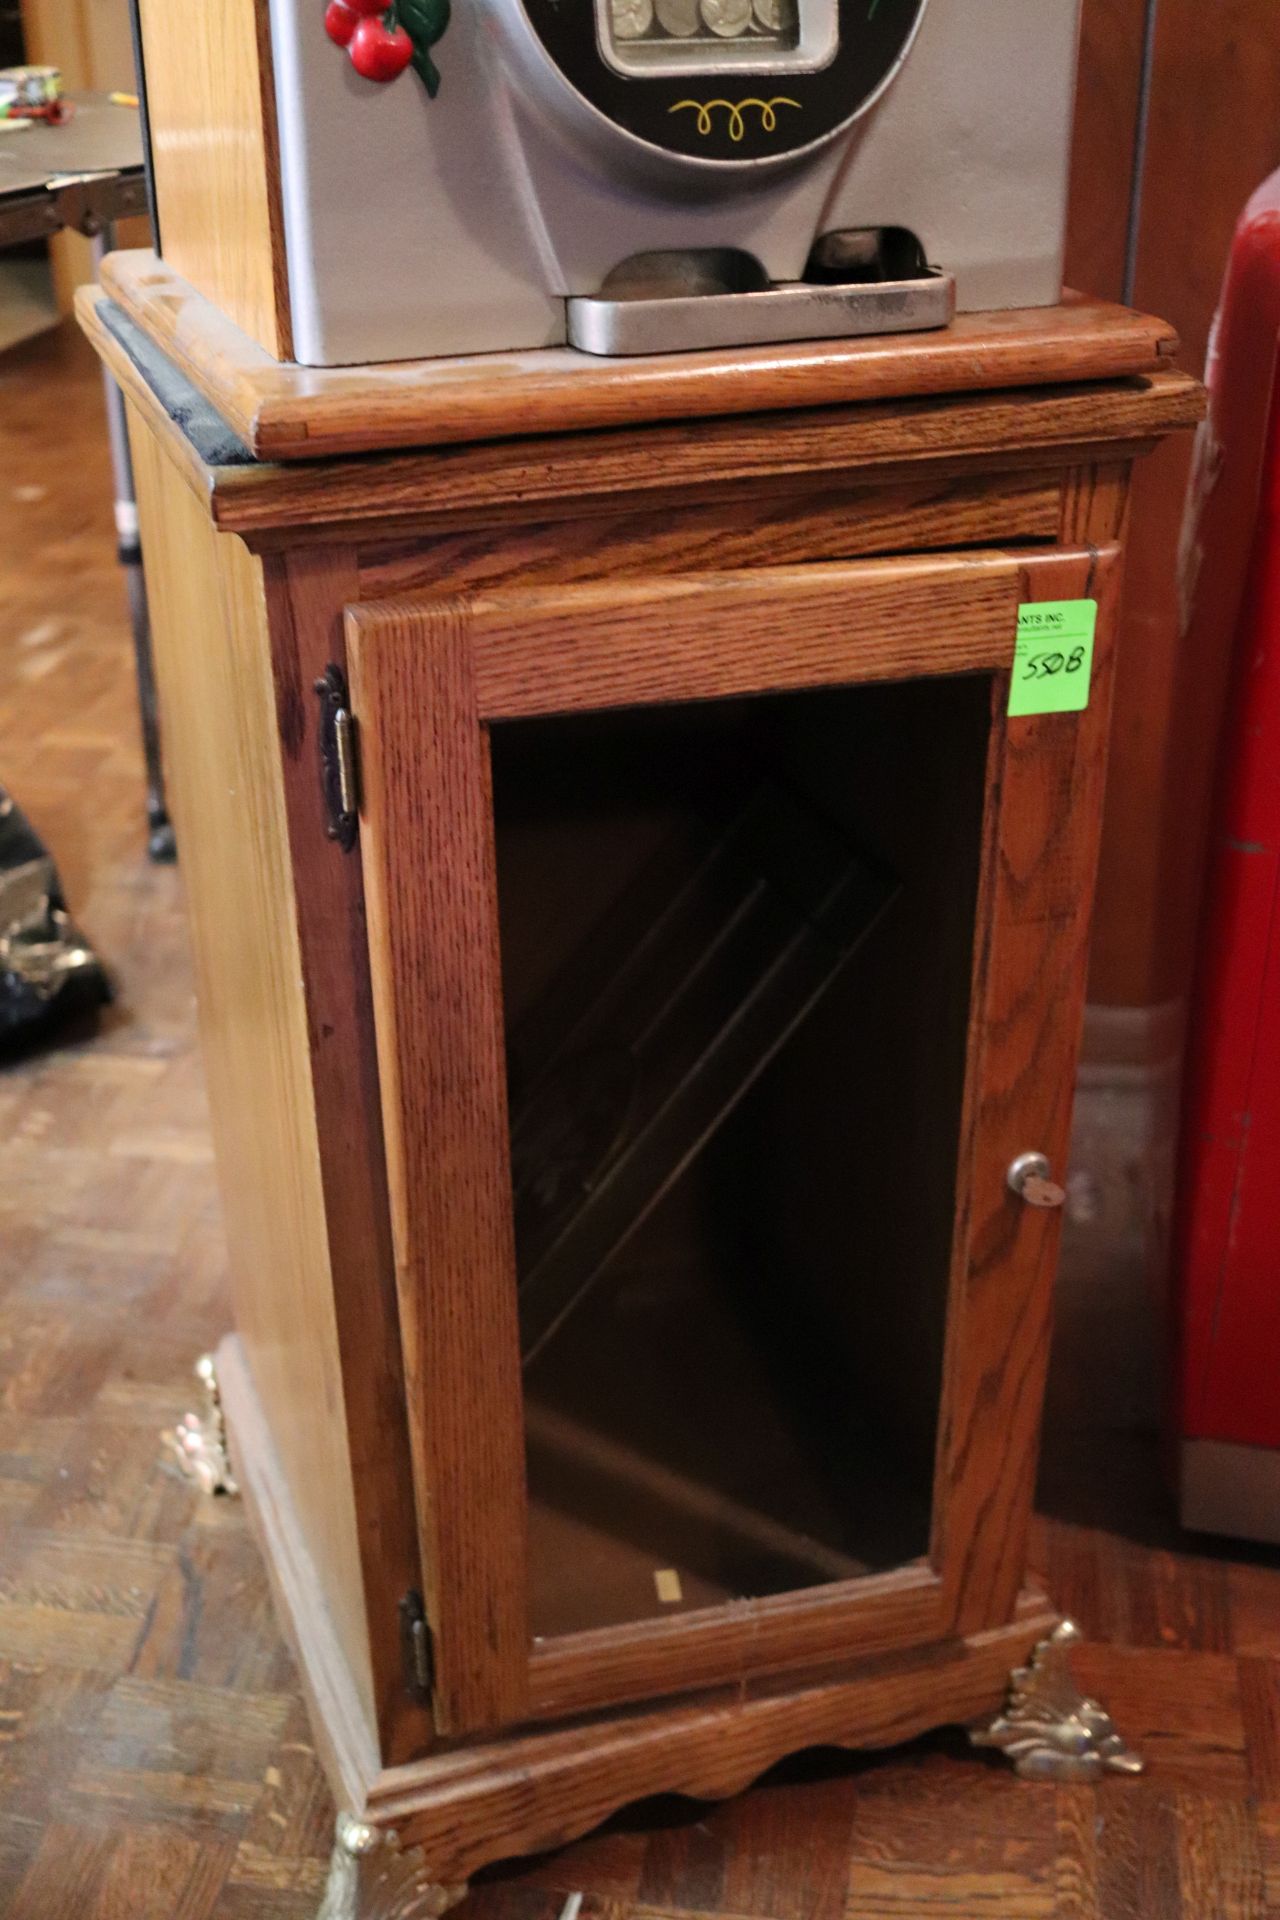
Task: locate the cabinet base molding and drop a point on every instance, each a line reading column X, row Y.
column 457, row 1810
column 539, row 1790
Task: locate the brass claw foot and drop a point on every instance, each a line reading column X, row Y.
column 198, row 1444
column 372, row 1878
column 1048, row 1728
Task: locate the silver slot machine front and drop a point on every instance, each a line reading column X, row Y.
column 651, row 176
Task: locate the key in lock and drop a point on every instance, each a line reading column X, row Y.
column 1029, row 1176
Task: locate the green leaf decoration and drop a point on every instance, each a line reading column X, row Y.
column 424, row 21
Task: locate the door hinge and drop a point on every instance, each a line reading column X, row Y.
column 336, row 737
column 415, row 1648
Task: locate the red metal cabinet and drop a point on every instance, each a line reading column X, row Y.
column 1228, row 1245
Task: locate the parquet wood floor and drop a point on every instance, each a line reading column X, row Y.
column 154, row 1759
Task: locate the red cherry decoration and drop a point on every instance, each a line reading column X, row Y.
column 366, row 6
column 340, row 22
column 379, row 52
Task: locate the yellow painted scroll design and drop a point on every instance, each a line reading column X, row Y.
column 705, row 110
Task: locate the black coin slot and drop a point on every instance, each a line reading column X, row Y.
column 682, row 273
column 866, row 256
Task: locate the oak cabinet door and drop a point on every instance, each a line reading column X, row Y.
column 728, row 944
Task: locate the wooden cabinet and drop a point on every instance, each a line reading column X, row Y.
column 841, row 1252
column 640, row 1344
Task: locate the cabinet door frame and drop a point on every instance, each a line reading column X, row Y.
column 428, row 678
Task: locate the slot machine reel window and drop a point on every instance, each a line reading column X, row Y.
column 641, row 37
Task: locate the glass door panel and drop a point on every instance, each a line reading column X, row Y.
column 736, row 953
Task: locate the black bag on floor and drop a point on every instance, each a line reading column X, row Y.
column 48, row 972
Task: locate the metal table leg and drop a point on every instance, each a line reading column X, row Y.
column 160, row 839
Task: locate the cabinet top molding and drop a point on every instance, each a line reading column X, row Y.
column 283, row 411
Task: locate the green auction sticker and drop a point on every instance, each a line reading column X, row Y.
column 1053, row 658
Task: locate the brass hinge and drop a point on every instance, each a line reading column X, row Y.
column 415, row 1648
column 336, row 737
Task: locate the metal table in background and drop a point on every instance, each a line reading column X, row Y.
column 85, row 174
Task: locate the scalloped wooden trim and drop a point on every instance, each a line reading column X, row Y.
column 532, row 1792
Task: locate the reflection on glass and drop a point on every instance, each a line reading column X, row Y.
column 736, row 952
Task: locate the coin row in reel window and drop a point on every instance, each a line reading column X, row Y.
column 697, row 19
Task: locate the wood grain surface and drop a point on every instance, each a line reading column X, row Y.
column 285, row 412
column 156, row 1759
column 549, row 1788
column 213, row 671
column 1045, row 783
column 304, row 595
column 597, row 473
column 1006, row 437
column 717, row 635
column 834, row 519
column 211, row 102
column 426, row 844
column 649, row 1659
column 427, row 676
